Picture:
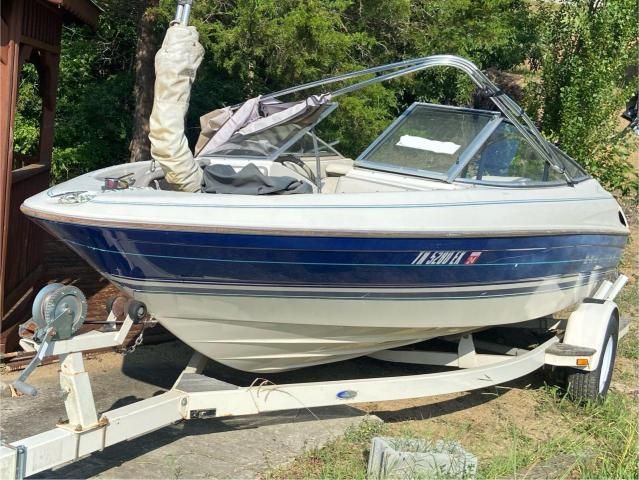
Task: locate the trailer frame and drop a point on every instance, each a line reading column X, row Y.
column 195, row 395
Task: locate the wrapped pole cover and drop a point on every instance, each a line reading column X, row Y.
column 175, row 66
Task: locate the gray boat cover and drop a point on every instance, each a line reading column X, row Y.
column 221, row 178
column 175, row 65
column 254, row 115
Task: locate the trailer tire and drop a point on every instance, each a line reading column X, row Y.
column 583, row 386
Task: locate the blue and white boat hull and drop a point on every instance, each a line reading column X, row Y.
column 267, row 303
column 270, row 283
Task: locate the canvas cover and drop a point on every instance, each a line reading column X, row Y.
column 221, row 178
column 254, row 115
column 175, row 66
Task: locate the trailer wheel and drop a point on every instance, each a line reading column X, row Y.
column 593, row 386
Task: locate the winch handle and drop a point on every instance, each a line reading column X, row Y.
column 25, row 388
column 20, row 383
column 182, row 12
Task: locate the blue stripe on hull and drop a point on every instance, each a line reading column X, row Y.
column 239, row 259
column 441, row 293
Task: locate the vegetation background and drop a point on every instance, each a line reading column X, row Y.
column 573, row 64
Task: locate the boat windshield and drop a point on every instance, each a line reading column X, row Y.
column 452, row 143
column 507, row 159
column 426, row 139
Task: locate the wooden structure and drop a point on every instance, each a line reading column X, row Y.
column 30, row 32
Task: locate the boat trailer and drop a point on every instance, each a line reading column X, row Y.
column 581, row 346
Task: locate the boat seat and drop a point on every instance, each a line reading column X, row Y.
column 335, row 169
column 330, row 166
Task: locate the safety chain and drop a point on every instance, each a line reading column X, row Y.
column 136, row 343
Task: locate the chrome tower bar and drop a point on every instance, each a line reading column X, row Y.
column 182, row 12
column 503, row 102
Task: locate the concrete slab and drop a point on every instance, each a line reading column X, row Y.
column 240, row 447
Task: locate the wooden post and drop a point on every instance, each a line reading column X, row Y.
column 30, row 32
column 11, row 27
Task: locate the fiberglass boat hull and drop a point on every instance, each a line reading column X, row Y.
column 269, row 283
column 267, row 303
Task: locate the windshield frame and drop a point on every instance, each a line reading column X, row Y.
column 503, row 102
column 564, row 158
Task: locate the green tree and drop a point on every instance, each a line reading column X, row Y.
column 95, row 102
column 586, row 48
column 258, row 46
column 26, row 133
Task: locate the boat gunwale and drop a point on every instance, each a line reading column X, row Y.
column 297, row 232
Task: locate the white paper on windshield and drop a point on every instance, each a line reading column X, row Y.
column 434, row 146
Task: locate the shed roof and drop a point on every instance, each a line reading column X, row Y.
column 86, row 11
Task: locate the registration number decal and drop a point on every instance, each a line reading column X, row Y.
column 446, row 257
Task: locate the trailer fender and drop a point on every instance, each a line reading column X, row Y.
column 587, row 327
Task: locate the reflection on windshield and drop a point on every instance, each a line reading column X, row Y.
column 305, row 147
column 260, row 144
column 507, row 157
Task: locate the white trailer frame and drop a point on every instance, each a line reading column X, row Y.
column 197, row 396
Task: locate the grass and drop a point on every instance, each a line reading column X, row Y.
column 591, row 441
column 628, row 301
column 344, row 458
column 601, row 442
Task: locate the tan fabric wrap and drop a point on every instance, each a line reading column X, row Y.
column 175, row 66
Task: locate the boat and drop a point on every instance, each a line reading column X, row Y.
column 453, row 220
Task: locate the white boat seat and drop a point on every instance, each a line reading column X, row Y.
column 336, row 169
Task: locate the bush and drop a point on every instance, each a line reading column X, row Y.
column 585, row 49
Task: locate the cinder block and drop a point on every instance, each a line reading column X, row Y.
column 413, row 458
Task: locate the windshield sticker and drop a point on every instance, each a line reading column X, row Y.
column 446, row 257
column 435, row 146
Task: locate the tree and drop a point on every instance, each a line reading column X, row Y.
column 257, row 46
column 95, row 104
column 586, row 48
column 143, row 68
